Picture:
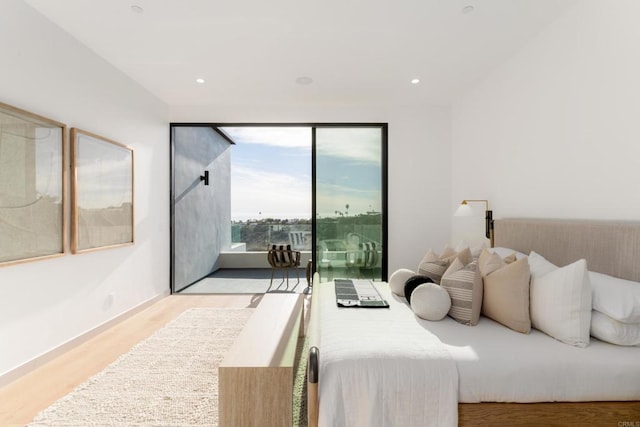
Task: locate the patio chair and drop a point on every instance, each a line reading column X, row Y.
column 282, row 257
column 363, row 259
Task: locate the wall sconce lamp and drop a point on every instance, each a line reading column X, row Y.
column 205, row 177
column 465, row 210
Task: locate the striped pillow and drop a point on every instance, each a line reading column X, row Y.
column 434, row 266
column 464, row 285
column 434, row 269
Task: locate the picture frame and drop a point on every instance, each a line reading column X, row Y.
column 32, row 186
column 102, row 203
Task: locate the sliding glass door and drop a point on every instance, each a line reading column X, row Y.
column 346, row 233
column 350, row 201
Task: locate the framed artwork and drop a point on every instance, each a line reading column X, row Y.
column 102, row 193
column 32, row 189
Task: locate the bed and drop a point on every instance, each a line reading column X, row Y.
column 489, row 373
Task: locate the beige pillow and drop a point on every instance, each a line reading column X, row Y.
column 510, row 258
column 474, row 250
column 448, row 252
column 489, row 262
column 482, row 259
column 464, row 285
column 430, row 256
column 506, row 296
column 494, row 255
column 464, row 256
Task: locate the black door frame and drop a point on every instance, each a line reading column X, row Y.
column 384, row 127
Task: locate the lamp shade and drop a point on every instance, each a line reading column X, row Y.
column 464, row 210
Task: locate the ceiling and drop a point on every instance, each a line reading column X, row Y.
column 250, row 52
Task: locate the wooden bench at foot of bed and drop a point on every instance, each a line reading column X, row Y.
column 255, row 379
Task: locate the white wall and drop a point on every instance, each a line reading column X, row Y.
column 46, row 303
column 419, row 169
column 554, row 131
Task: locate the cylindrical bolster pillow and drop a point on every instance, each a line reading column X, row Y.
column 398, row 279
column 430, row 301
column 412, row 283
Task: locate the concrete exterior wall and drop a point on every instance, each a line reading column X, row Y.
column 202, row 214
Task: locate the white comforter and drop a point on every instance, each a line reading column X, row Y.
column 411, row 381
column 496, row 364
column 363, row 384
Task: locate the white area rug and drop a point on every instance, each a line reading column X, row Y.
column 169, row 379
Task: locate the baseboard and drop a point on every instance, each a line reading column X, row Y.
column 33, row 364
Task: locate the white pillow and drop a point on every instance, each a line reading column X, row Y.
column 430, row 301
column 398, row 280
column 561, row 302
column 539, row 265
column 617, row 298
column 610, row 330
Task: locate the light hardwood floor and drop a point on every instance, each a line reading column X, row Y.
column 24, row 398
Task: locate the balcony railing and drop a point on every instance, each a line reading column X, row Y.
column 346, row 247
column 260, row 235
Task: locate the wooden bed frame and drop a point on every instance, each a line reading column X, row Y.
column 610, row 247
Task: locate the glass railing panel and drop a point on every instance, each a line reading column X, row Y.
column 260, row 235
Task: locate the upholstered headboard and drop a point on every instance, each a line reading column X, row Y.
column 610, row 247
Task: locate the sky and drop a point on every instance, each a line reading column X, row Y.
column 271, row 172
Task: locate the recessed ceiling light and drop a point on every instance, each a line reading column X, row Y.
column 136, row 9
column 200, row 81
column 304, row 80
column 415, row 81
column 468, row 9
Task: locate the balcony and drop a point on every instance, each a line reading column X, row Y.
column 250, row 241
column 349, row 249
